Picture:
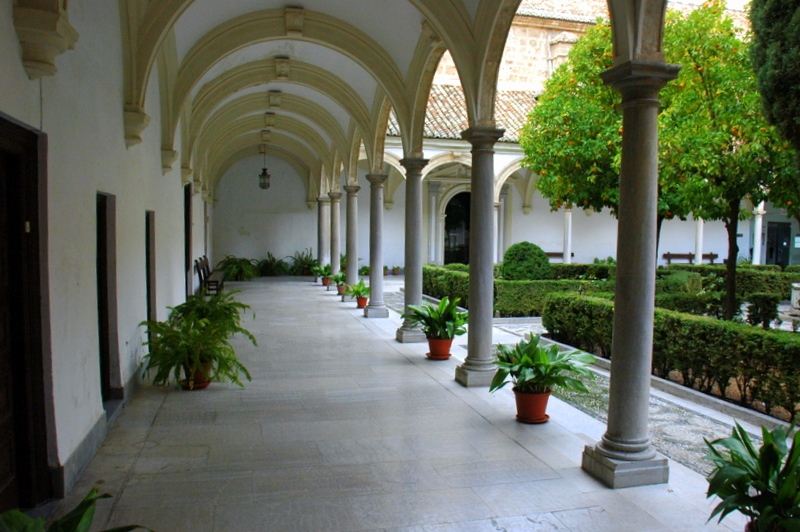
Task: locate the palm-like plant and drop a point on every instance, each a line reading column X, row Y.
column 533, row 368
column 357, row 290
column 273, row 266
column 763, row 483
column 442, row 321
column 339, row 279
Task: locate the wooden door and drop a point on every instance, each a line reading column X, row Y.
column 9, row 485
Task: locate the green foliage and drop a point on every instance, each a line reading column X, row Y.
column 699, row 304
column 678, row 281
column 792, row 268
column 527, row 298
column 525, row 261
column 364, row 270
column 763, row 483
column 607, row 260
column 339, row 279
column 79, row 519
column 763, row 309
column 749, row 280
column 238, row 268
column 710, row 355
column 532, row 368
column 357, row 290
column 273, row 266
column 195, row 338
column 457, row 267
column 583, row 271
column 776, row 58
column 443, row 321
column 323, row 271
column 439, row 282
column 302, row 262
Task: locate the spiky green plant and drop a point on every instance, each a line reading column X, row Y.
column 443, row 321
column 238, row 268
column 273, row 266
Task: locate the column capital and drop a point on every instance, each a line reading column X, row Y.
column 323, row 199
column 413, row 164
column 640, row 80
column 480, row 135
column 377, row 179
column 352, row 190
column 335, row 196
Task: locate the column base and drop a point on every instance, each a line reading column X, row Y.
column 624, row 473
column 376, row 311
column 468, row 375
column 410, row 335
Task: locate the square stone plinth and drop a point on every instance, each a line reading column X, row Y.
column 376, row 312
column 410, row 335
column 470, row 377
column 625, row 473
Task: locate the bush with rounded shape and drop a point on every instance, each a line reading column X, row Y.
column 526, row 261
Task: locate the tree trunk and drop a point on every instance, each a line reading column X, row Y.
column 732, row 226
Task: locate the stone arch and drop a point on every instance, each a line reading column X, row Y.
column 501, row 178
column 446, row 158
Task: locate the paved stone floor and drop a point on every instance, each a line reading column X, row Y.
column 343, row 428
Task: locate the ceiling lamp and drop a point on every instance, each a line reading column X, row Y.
column 263, row 177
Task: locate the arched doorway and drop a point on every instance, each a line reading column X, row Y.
column 456, row 229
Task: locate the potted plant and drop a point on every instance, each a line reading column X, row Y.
column 339, row 279
column 194, row 340
column 364, row 270
column 395, row 270
column 238, row 268
column 324, row 272
column 534, row 370
column 79, row 519
column 763, row 483
column 385, row 270
column 440, row 324
column 360, row 291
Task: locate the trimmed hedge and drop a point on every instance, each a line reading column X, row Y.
column 750, row 280
column 583, row 271
column 439, row 282
column 457, row 267
column 754, row 367
column 527, row 298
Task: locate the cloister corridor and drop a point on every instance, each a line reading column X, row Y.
column 344, row 428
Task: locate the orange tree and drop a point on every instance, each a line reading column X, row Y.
column 716, row 148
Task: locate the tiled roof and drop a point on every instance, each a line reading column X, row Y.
column 554, row 15
column 446, row 116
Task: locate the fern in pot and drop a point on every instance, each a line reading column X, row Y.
column 534, row 370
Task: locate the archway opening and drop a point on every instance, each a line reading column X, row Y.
column 456, row 229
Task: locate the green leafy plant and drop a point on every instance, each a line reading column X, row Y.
column 364, row 270
column 195, row 338
column 525, row 261
column 441, row 321
column 339, row 279
column 322, row 271
column 533, row 368
column 238, row 268
column 763, row 483
column 763, row 309
column 302, row 262
column 79, row 519
column 357, row 290
column 273, row 266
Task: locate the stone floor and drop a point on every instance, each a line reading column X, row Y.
column 343, row 428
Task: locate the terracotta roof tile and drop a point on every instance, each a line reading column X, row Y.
column 446, row 116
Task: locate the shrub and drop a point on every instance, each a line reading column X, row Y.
column 675, row 282
column 763, row 309
column 457, row 267
column 238, row 268
column 527, row 298
column 526, row 261
column 440, row 282
column 583, row 271
column 701, row 304
column 272, row 266
column 709, row 355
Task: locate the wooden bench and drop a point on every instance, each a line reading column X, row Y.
column 558, row 255
column 212, row 281
column 689, row 257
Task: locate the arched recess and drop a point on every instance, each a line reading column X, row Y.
column 252, row 151
column 446, row 158
column 261, row 72
column 355, row 153
column 504, row 175
column 254, row 104
column 316, row 28
column 395, row 179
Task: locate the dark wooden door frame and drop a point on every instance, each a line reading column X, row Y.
column 107, row 311
column 187, row 236
column 150, row 264
column 43, row 476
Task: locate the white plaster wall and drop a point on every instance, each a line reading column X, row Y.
column 678, row 236
column 81, row 112
column 249, row 222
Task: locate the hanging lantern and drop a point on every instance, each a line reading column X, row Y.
column 263, row 177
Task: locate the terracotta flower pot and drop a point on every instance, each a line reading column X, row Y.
column 361, row 302
column 198, row 381
column 439, row 348
column 326, row 281
column 340, row 289
column 531, row 407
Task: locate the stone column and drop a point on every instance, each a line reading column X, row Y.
column 440, row 239
column 759, row 213
column 496, row 220
column 433, row 210
column 324, row 230
column 568, row 235
column 478, row 369
column 376, row 308
column 625, row 456
column 502, row 225
column 351, row 240
column 413, row 253
column 335, row 232
column 698, row 241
